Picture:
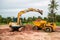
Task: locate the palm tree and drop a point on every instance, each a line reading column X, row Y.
column 52, row 8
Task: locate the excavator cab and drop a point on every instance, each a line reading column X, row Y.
column 13, row 25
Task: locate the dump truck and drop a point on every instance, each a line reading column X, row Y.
column 44, row 25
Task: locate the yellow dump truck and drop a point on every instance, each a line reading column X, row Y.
column 44, row 25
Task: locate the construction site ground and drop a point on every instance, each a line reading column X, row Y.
column 28, row 34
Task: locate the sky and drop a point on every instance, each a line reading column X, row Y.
column 10, row 8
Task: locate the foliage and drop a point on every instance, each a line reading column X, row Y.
column 39, row 17
column 29, row 19
column 0, row 18
column 58, row 23
column 45, row 18
column 52, row 8
column 8, row 19
column 58, row 18
column 5, row 20
column 34, row 18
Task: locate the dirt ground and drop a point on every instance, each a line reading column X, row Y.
column 5, row 34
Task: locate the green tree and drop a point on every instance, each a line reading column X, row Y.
column 14, row 19
column 58, row 18
column 29, row 19
column 24, row 20
column 8, row 19
column 45, row 18
column 34, row 18
column 52, row 11
column 4, row 20
column 0, row 18
column 39, row 17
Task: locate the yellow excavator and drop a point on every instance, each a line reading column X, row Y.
column 16, row 25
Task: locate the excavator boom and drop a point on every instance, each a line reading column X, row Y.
column 27, row 10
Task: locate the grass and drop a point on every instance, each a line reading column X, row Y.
column 28, row 23
column 58, row 23
column 2, row 23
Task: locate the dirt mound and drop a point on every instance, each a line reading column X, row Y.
column 28, row 27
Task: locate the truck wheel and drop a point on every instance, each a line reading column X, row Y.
column 35, row 28
column 48, row 29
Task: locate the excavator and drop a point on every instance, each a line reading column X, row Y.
column 37, row 24
column 16, row 25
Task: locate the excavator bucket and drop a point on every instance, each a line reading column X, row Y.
column 40, row 11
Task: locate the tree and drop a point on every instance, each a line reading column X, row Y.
column 34, row 18
column 24, row 20
column 52, row 8
column 29, row 19
column 58, row 18
column 45, row 18
column 8, row 19
column 39, row 17
column 0, row 18
column 14, row 19
column 4, row 20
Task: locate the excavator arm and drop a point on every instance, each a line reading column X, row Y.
column 27, row 10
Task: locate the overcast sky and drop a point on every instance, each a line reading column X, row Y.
column 12, row 7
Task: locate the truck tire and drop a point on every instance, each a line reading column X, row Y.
column 48, row 29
